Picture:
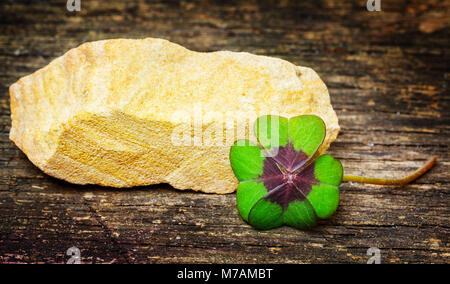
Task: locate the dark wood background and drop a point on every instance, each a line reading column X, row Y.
column 388, row 76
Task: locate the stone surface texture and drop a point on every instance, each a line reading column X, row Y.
column 125, row 113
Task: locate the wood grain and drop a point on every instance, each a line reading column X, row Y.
column 388, row 76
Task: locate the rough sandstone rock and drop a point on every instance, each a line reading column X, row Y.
column 108, row 112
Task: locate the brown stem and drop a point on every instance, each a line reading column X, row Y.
column 402, row 181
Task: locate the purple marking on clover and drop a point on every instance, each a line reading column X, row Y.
column 284, row 178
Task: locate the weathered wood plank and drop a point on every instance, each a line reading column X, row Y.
column 388, row 76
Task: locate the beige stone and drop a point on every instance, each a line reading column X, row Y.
column 109, row 112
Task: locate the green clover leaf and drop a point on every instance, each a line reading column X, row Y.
column 281, row 180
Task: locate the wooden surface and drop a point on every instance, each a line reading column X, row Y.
column 388, row 76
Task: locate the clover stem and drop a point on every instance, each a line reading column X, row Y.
column 402, row 181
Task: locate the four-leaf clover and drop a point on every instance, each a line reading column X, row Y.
column 282, row 181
